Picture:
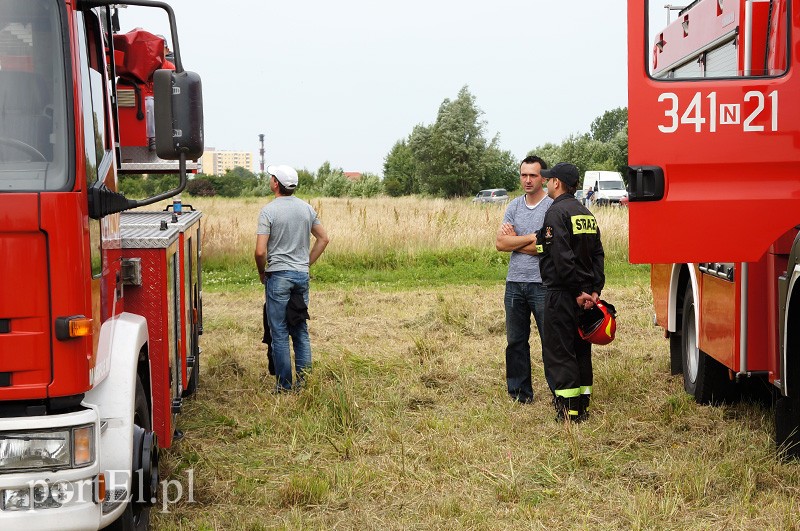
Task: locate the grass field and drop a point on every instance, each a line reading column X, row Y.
column 405, row 423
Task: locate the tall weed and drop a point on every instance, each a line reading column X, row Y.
column 385, row 240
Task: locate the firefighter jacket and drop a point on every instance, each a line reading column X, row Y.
column 571, row 254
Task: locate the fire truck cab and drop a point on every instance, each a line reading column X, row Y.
column 714, row 192
column 99, row 315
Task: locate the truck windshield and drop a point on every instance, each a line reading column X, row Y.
column 33, row 108
column 611, row 185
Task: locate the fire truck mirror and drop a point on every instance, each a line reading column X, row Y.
column 179, row 114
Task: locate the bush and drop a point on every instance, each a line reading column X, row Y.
column 260, row 189
column 336, row 185
column 142, row 186
column 200, row 187
column 368, row 186
column 131, row 186
column 227, row 185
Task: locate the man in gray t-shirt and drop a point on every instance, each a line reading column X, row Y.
column 524, row 293
column 283, row 256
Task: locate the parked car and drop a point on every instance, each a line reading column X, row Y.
column 492, row 195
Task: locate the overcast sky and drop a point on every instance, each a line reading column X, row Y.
column 344, row 80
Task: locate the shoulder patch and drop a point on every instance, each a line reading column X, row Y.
column 548, row 233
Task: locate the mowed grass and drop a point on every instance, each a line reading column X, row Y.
column 405, row 422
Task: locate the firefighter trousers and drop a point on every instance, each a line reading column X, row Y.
column 567, row 358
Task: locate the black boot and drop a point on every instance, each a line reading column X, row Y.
column 569, row 408
column 583, row 407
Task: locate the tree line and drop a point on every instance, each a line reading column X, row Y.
column 450, row 157
column 327, row 181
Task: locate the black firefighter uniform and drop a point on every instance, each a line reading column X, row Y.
column 571, row 262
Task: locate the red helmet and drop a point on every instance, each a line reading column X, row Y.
column 598, row 324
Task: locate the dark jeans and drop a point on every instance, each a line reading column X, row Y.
column 280, row 286
column 521, row 300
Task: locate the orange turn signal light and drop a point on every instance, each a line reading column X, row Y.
column 100, row 489
column 80, row 326
column 83, row 446
column 73, row 326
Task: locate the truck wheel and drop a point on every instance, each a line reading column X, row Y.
column 787, row 427
column 704, row 378
column 136, row 516
column 787, row 408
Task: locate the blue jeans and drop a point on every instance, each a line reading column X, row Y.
column 521, row 300
column 280, row 286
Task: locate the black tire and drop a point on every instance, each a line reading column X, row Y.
column 675, row 353
column 704, row 378
column 136, row 516
column 787, row 427
column 787, row 408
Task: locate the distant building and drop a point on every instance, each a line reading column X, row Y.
column 214, row 162
column 353, row 175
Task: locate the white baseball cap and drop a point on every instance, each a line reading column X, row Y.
column 286, row 175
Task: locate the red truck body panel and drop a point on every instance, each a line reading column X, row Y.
column 727, row 149
column 154, row 301
column 730, row 157
column 26, row 307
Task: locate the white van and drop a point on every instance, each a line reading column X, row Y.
column 607, row 187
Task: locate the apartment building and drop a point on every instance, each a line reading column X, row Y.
column 217, row 162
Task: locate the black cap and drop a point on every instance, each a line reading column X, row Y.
column 564, row 172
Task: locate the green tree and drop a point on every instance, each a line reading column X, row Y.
column 130, row 185
column 323, row 173
column 456, row 148
column 604, row 148
column 604, row 128
column 549, row 152
column 499, row 168
column 419, row 143
column 305, row 179
column 399, row 170
column 450, row 157
column 242, row 173
column 620, row 150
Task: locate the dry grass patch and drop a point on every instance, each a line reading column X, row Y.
column 405, row 424
column 381, row 225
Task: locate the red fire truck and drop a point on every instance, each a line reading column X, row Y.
column 714, row 192
column 100, row 308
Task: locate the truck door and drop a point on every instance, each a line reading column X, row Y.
column 713, row 129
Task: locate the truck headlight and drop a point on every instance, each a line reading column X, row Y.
column 47, row 449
